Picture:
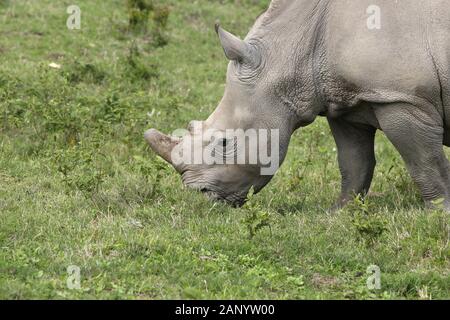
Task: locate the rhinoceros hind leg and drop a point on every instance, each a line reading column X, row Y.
column 418, row 138
column 356, row 157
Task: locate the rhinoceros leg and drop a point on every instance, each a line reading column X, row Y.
column 355, row 145
column 418, row 136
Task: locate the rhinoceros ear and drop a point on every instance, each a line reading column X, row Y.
column 235, row 49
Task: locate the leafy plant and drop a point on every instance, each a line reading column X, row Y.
column 87, row 72
column 78, row 169
column 160, row 19
column 142, row 13
column 111, row 111
column 138, row 14
column 152, row 171
column 368, row 224
column 256, row 217
column 63, row 119
column 136, row 68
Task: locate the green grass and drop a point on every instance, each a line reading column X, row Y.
column 79, row 186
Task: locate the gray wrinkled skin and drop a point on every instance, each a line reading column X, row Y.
column 308, row 58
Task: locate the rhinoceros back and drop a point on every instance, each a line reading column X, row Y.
column 405, row 58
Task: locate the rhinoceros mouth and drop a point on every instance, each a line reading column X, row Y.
column 233, row 200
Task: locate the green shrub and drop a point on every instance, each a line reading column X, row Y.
column 78, row 170
column 111, row 111
column 368, row 224
column 138, row 14
column 143, row 14
column 136, row 68
column 160, row 18
column 84, row 72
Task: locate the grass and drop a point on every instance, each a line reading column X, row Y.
column 78, row 185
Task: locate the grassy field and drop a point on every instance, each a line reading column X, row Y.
column 79, row 186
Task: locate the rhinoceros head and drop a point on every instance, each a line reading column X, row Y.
column 244, row 140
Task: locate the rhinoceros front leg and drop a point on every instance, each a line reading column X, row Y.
column 356, row 157
column 418, row 136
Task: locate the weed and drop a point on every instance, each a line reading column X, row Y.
column 256, row 218
column 142, row 13
column 138, row 14
column 160, row 18
column 152, row 171
column 135, row 68
column 78, row 169
column 84, row 72
column 368, row 224
column 112, row 111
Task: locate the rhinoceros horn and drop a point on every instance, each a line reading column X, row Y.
column 236, row 49
column 161, row 144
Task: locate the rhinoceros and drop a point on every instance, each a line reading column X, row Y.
column 365, row 65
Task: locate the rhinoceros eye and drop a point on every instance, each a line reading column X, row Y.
column 224, row 148
column 223, row 142
column 228, row 145
column 221, row 146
